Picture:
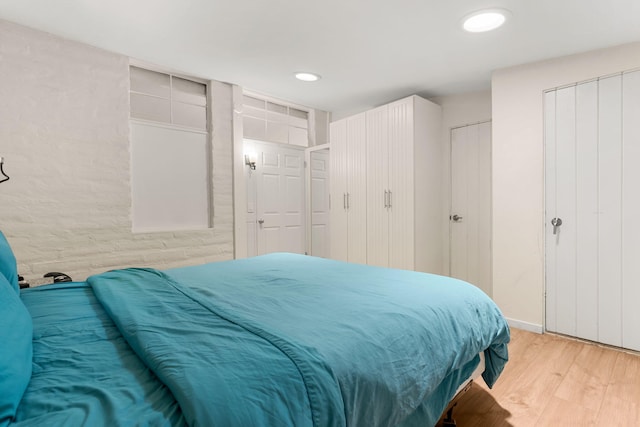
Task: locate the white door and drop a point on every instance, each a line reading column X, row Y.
column 592, row 146
column 470, row 216
column 319, row 231
column 276, row 200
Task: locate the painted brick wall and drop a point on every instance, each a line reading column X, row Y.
column 64, row 133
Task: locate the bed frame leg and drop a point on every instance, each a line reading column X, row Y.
column 448, row 420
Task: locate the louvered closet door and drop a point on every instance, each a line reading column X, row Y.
column 401, row 185
column 592, row 148
column 378, row 187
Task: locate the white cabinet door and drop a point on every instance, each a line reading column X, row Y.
column 338, row 193
column 378, row 186
column 357, row 188
column 349, row 189
column 401, row 185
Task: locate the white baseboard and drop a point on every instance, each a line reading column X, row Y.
column 526, row 326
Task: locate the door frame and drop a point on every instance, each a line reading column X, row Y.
column 307, row 189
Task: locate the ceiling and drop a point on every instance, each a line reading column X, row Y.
column 368, row 52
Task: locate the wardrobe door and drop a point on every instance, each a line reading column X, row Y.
column 401, row 185
column 356, row 199
column 338, row 193
column 378, row 187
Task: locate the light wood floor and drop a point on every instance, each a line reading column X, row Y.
column 556, row 381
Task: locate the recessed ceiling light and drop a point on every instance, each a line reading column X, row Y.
column 485, row 20
column 307, row 77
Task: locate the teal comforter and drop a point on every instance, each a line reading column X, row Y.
column 290, row 340
column 84, row 372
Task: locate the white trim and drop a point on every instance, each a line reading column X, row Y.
column 167, row 70
column 169, row 125
column 468, row 124
column 239, row 185
column 525, row 326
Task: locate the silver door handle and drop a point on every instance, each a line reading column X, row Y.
column 455, row 218
column 390, row 193
column 556, row 222
column 261, row 221
column 386, row 203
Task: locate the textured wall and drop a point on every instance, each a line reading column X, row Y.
column 64, row 133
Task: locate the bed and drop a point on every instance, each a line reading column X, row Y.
column 275, row 340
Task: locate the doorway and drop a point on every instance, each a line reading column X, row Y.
column 275, row 199
column 470, row 213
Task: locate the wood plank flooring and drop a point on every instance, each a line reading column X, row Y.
column 551, row 381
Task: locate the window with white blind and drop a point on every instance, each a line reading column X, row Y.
column 169, row 152
column 264, row 120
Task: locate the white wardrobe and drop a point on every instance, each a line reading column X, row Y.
column 386, row 186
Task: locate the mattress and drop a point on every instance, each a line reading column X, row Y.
column 275, row 340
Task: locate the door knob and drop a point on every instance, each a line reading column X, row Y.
column 556, row 222
column 455, row 218
column 261, row 221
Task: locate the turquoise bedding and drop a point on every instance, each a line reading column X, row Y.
column 289, row 340
column 84, row 372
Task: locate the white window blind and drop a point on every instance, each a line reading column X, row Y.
column 169, row 152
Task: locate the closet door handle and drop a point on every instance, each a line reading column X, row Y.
column 344, row 201
column 386, row 194
column 390, row 198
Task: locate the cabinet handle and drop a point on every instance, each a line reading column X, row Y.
column 386, row 205
column 390, row 199
column 344, row 201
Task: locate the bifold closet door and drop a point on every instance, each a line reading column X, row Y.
column 592, row 149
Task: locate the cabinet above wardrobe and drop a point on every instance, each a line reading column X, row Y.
column 386, row 198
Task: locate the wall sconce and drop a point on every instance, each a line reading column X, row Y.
column 5, row 177
column 250, row 160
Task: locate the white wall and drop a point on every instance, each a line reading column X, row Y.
column 518, row 171
column 64, row 133
column 457, row 110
